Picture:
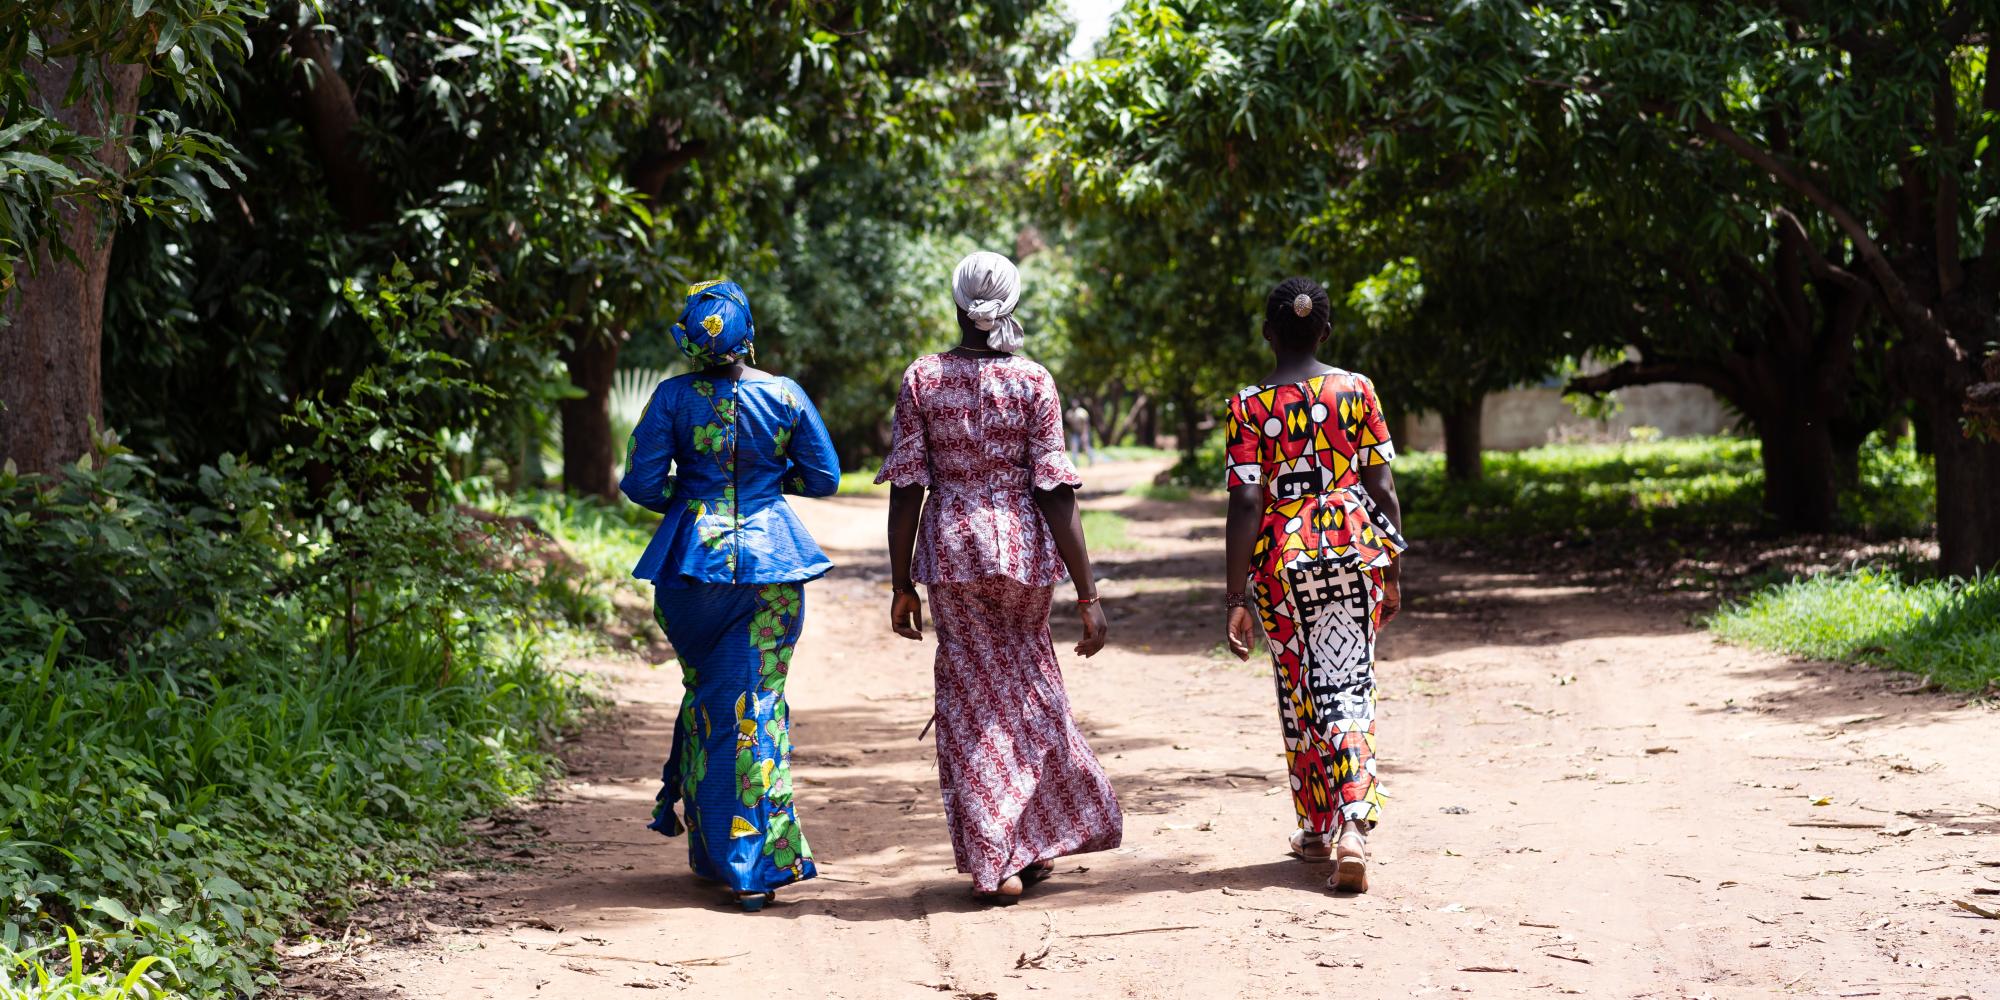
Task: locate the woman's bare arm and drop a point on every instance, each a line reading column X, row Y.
column 1058, row 507
column 906, row 507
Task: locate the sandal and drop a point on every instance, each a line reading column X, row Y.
column 1351, row 872
column 1312, row 847
column 751, row 902
column 1008, row 894
column 1040, row 871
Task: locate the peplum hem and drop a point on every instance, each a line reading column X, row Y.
column 966, row 536
column 1344, row 527
column 765, row 544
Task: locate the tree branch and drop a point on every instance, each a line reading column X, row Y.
column 1631, row 373
column 1790, row 228
column 1906, row 310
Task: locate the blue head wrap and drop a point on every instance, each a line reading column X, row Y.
column 715, row 326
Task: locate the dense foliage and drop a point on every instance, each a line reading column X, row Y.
column 1782, row 202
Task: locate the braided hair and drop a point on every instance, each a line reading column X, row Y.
column 1296, row 313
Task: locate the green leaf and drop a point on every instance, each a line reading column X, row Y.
column 113, row 909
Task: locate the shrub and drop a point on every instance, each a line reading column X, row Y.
column 225, row 700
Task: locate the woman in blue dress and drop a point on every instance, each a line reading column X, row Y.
column 716, row 451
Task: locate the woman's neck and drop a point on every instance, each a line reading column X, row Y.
column 1297, row 366
column 974, row 342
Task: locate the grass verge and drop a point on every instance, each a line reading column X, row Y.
column 1713, row 483
column 1947, row 631
column 1107, row 531
column 218, row 716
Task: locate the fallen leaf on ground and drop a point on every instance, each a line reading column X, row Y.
column 1489, row 968
column 1569, row 958
column 1761, row 920
column 1817, row 896
column 1530, row 923
column 1824, row 800
column 1975, row 908
column 1661, row 750
column 1761, row 943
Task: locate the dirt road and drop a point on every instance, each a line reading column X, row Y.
column 1587, row 796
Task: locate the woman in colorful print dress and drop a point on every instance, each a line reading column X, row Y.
column 981, row 429
column 716, row 451
column 1315, row 531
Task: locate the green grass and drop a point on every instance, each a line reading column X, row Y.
column 1945, row 630
column 28, row 975
column 1107, row 531
column 1705, row 483
column 861, row 483
column 1663, row 485
column 1134, row 453
column 1164, row 492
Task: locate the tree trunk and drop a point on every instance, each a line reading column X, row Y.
column 1146, row 425
column 1968, row 481
column 1463, row 441
column 1128, row 422
column 589, row 454
column 1801, row 469
column 51, row 391
column 1190, row 433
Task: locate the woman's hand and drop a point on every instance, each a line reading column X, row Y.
column 1094, row 628
column 906, row 614
column 1242, row 632
column 1392, row 600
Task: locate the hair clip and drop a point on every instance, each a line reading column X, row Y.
column 1302, row 304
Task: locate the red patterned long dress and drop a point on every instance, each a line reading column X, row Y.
column 1316, row 571
column 1019, row 783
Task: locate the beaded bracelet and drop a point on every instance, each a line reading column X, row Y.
column 1235, row 600
column 1092, row 599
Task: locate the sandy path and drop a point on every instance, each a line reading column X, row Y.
column 1586, row 794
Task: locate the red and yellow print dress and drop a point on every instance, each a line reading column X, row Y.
column 1316, row 571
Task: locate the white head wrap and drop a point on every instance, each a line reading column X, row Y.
column 987, row 286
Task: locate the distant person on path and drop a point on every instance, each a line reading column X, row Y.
column 1078, row 421
column 729, row 566
column 982, row 430
column 1315, row 530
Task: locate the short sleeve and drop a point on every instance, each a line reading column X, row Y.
column 909, row 461
column 1047, row 457
column 1241, row 444
column 1372, row 445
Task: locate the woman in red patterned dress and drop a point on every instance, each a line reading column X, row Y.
column 982, row 430
column 1315, row 530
